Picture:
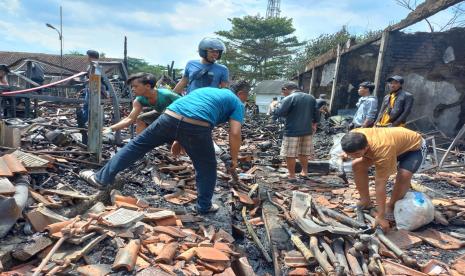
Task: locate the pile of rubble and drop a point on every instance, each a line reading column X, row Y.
column 56, row 223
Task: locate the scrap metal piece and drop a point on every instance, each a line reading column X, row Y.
column 123, row 217
column 342, row 218
column 353, row 262
column 338, row 269
column 398, row 269
column 12, row 207
column 300, row 204
column 319, row 256
column 300, row 245
column 338, row 246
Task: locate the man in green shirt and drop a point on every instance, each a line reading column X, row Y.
column 147, row 95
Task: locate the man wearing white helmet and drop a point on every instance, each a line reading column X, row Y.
column 205, row 72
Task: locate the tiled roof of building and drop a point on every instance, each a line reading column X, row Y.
column 72, row 63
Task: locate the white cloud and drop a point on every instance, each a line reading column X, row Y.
column 10, row 6
column 176, row 32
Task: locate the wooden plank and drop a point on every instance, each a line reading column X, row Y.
column 335, row 79
column 311, row 89
column 94, row 142
column 380, row 64
column 276, row 235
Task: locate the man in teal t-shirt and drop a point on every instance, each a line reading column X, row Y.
column 148, row 96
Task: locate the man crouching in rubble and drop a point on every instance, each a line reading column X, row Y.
column 147, row 95
column 391, row 150
column 187, row 123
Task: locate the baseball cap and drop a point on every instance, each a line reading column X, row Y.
column 396, row 78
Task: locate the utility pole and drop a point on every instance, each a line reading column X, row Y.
column 60, row 36
column 61, row 41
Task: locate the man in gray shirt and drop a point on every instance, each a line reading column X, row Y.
column 299, row 110
column 367, row 106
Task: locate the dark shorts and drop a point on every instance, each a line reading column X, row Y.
column 149, row 117
column 411, row 160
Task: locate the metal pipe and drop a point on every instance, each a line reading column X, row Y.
column 332, row 257
column 338, row 247
column 13, row 207
column 406, row 259
column 343, row 218
column 353, row 262
column 319, row 256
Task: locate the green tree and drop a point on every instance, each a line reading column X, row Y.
column 258, row 48
column 136, row 65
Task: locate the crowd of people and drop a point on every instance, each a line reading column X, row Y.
column 374, row 138
column 186, row 122
column 204, row 98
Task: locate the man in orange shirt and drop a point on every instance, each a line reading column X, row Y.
column 390, row 150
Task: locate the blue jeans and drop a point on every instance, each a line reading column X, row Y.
column 196, row 140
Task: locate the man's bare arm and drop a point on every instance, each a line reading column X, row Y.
column 234, row 140
column 130, row 119
column 181, row 85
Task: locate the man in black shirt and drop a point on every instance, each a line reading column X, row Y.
column 299, row 110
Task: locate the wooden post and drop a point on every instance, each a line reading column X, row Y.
column 27, row 102
column 311, row 89
column 94, row 142
column 335, row 79
column 380, row 64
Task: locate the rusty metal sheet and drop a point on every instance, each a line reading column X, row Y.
column 397, row 269
column 14, row 164
column 123, row 217
column 4, row 169
column 439, row 239
column 403, row 239
column 6, row 187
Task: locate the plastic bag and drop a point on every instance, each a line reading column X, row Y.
column 335, row 161
column 413, row 211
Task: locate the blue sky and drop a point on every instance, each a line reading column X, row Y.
column 160, row 30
